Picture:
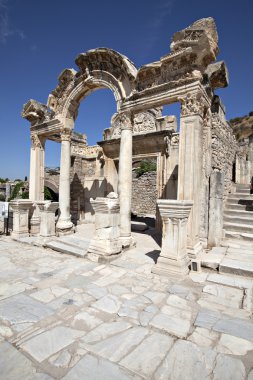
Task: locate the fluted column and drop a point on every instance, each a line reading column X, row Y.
column 36, row 180
column 64, row 224
column 125, row 179
column 190, row 168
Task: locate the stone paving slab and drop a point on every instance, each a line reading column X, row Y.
column 66, row 317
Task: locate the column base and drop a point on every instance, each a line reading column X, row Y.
column 105, row 247
column 16, row 236
column 127, row 242
column 64, row 227
column 167, row 267
column 195, row 250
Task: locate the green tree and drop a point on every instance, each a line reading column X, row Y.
column 145, row 166
column 16, row 190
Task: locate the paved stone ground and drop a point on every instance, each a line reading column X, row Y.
column 64, row 317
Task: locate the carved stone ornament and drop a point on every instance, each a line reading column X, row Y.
column 36, row 113
column 36, row 141
column 193, row 104
column 66, row 134
column 125, row 121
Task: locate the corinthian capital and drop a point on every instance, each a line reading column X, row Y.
column 125, row 121
column 36, row 141
column 66, row 134
column 193, row 104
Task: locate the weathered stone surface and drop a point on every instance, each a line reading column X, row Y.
column 109, row 304
column 148, row 355
column 204, row 337
column 93, row 368
column 235, row 326
column 118, row 346
column 49, row 294
column 14, row 365
column 229, row 344
column 21, row 309
column 173, row 325
column 49, row 342
column 207, row 318
column 105, row 331
column 228, row 368
column 186, row 361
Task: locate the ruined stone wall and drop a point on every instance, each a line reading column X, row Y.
column 144, row 194
column 224, row 148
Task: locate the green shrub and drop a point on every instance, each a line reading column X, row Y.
column 145, row 167
column 16, row 190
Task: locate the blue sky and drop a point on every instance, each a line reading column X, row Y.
column 38, row 39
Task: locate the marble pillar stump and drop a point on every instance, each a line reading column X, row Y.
column 20, row 208
column 47, row 217
column 34, row 220
column 106, row 243
column 173, row 258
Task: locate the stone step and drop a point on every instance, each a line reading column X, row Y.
column 235, row 219
column 242, row 186
column 240, row 196
column 241, row 201
column 241, row 228
column 243, row 237
column 237, row 206
column 238, row 213
column 243, row 190
column 238, row 267
column 64, row 247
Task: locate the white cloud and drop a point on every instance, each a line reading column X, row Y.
column 6, row 28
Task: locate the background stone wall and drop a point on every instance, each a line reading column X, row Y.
column 144, row 194
column 224, row 148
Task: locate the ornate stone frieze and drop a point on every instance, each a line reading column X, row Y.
column 175, row 139
column 86, row 151
column 36, row 113
column 193, row 104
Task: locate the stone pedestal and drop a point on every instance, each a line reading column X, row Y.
column 173, row 258
column 20, row 208
column 47, row 217
column 106, row 243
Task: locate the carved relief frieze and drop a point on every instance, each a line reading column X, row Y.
column 193, row 104
column 36, row 112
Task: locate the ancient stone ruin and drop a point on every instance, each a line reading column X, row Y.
column 198, row 159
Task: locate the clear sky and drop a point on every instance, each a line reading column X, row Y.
column 39, row 38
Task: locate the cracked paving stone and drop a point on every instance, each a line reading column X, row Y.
column 173, row 325
column 229, row 344
column 42, row 346
column 92, row 368
column 228, row 368
column 145, row 358
column 187, row 361
column 109, row 304
column 104, row 331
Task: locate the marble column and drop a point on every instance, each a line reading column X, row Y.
column 20, row 208
column 47, row 217
column 190, row 166
column 125, row 180
column 36, row 180
column 173, row 258
column 250, row 155
column 64, row 224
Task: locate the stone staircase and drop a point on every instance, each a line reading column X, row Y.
column 238, row 218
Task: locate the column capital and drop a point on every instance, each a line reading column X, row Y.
column 193, row 104
column 37, row 142
column 125, row 121
column 66, row 134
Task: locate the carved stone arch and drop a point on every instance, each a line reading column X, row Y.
column 99, row 68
